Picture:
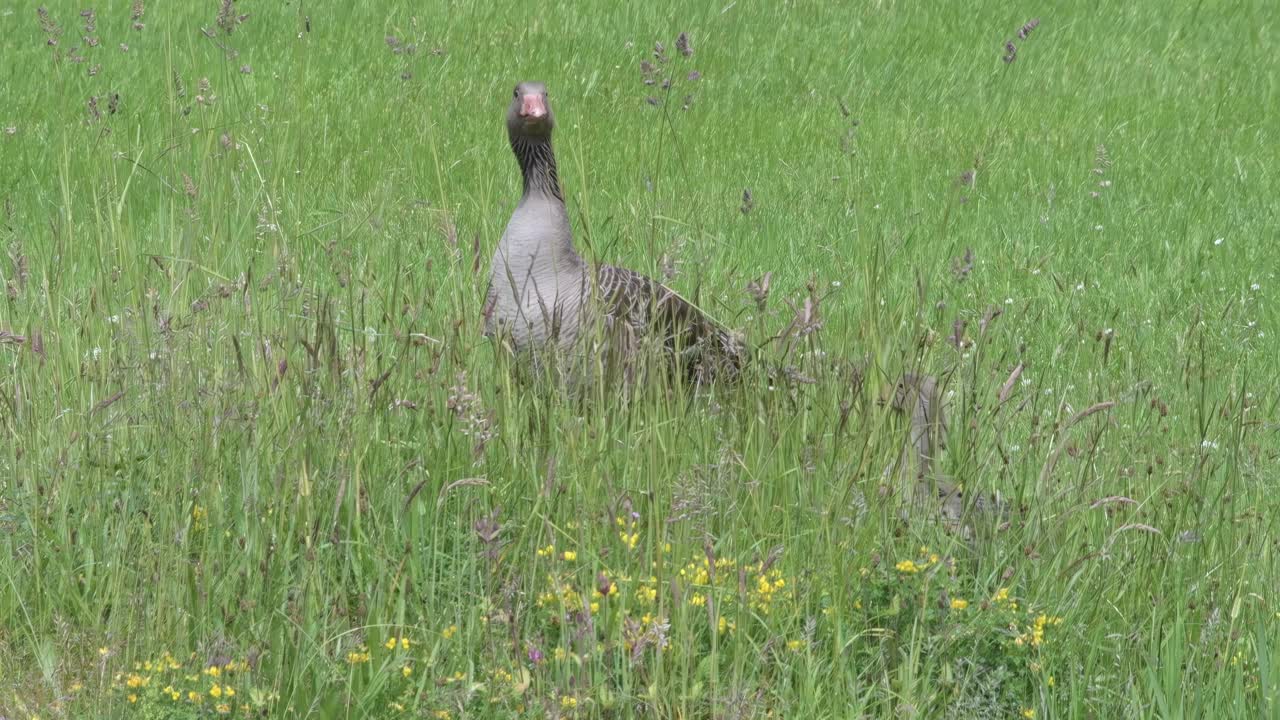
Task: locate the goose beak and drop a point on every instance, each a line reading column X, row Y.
column 532, row 107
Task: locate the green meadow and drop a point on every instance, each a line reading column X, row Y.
column 257, row 458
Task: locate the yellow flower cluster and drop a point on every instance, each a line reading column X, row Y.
column 139, row 685
column 629, row 539
column 724, row 626
column 908, row 567
column 561, row 597
column 358, row 656
column 647, row 593
column 1035, row 634
column 767, row 587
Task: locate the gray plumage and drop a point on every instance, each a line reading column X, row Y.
column 542, row 295
column 920, row 398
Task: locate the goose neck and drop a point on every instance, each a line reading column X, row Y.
column 538, row 166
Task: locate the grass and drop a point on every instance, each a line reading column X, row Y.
column 254, row 438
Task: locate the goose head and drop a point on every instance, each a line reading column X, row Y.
column 529, row 115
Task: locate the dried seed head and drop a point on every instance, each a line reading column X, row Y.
column 1102, row 160
column 226, row 17
column 188, row 186
column 962, row 266
column 759, row 290
column 683, row 45
column 47, row 26
column 1026, row 29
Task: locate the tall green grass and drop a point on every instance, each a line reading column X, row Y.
column 253, row 434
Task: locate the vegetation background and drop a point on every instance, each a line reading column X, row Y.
column 258, row 459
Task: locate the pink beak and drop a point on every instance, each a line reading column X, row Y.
column 532, row 107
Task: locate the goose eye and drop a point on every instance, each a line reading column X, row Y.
column 516, row 92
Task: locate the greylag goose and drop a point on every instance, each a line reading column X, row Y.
column 921, row 397
column 542, row 295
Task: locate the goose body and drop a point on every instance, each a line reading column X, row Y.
column 542, row 295
column 920, row 398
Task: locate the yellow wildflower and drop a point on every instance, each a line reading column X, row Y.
column 133, row 698
column 1029, row 713
column 406, row 671
column 441, row 715
column 404, row 643
column 223, row 708
column 959, row 603
column 795, row 645
column 568, row 701
column 449, row 631
column 569, row 556
column 907, row 566
column 215, row 691
column 390, row 644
